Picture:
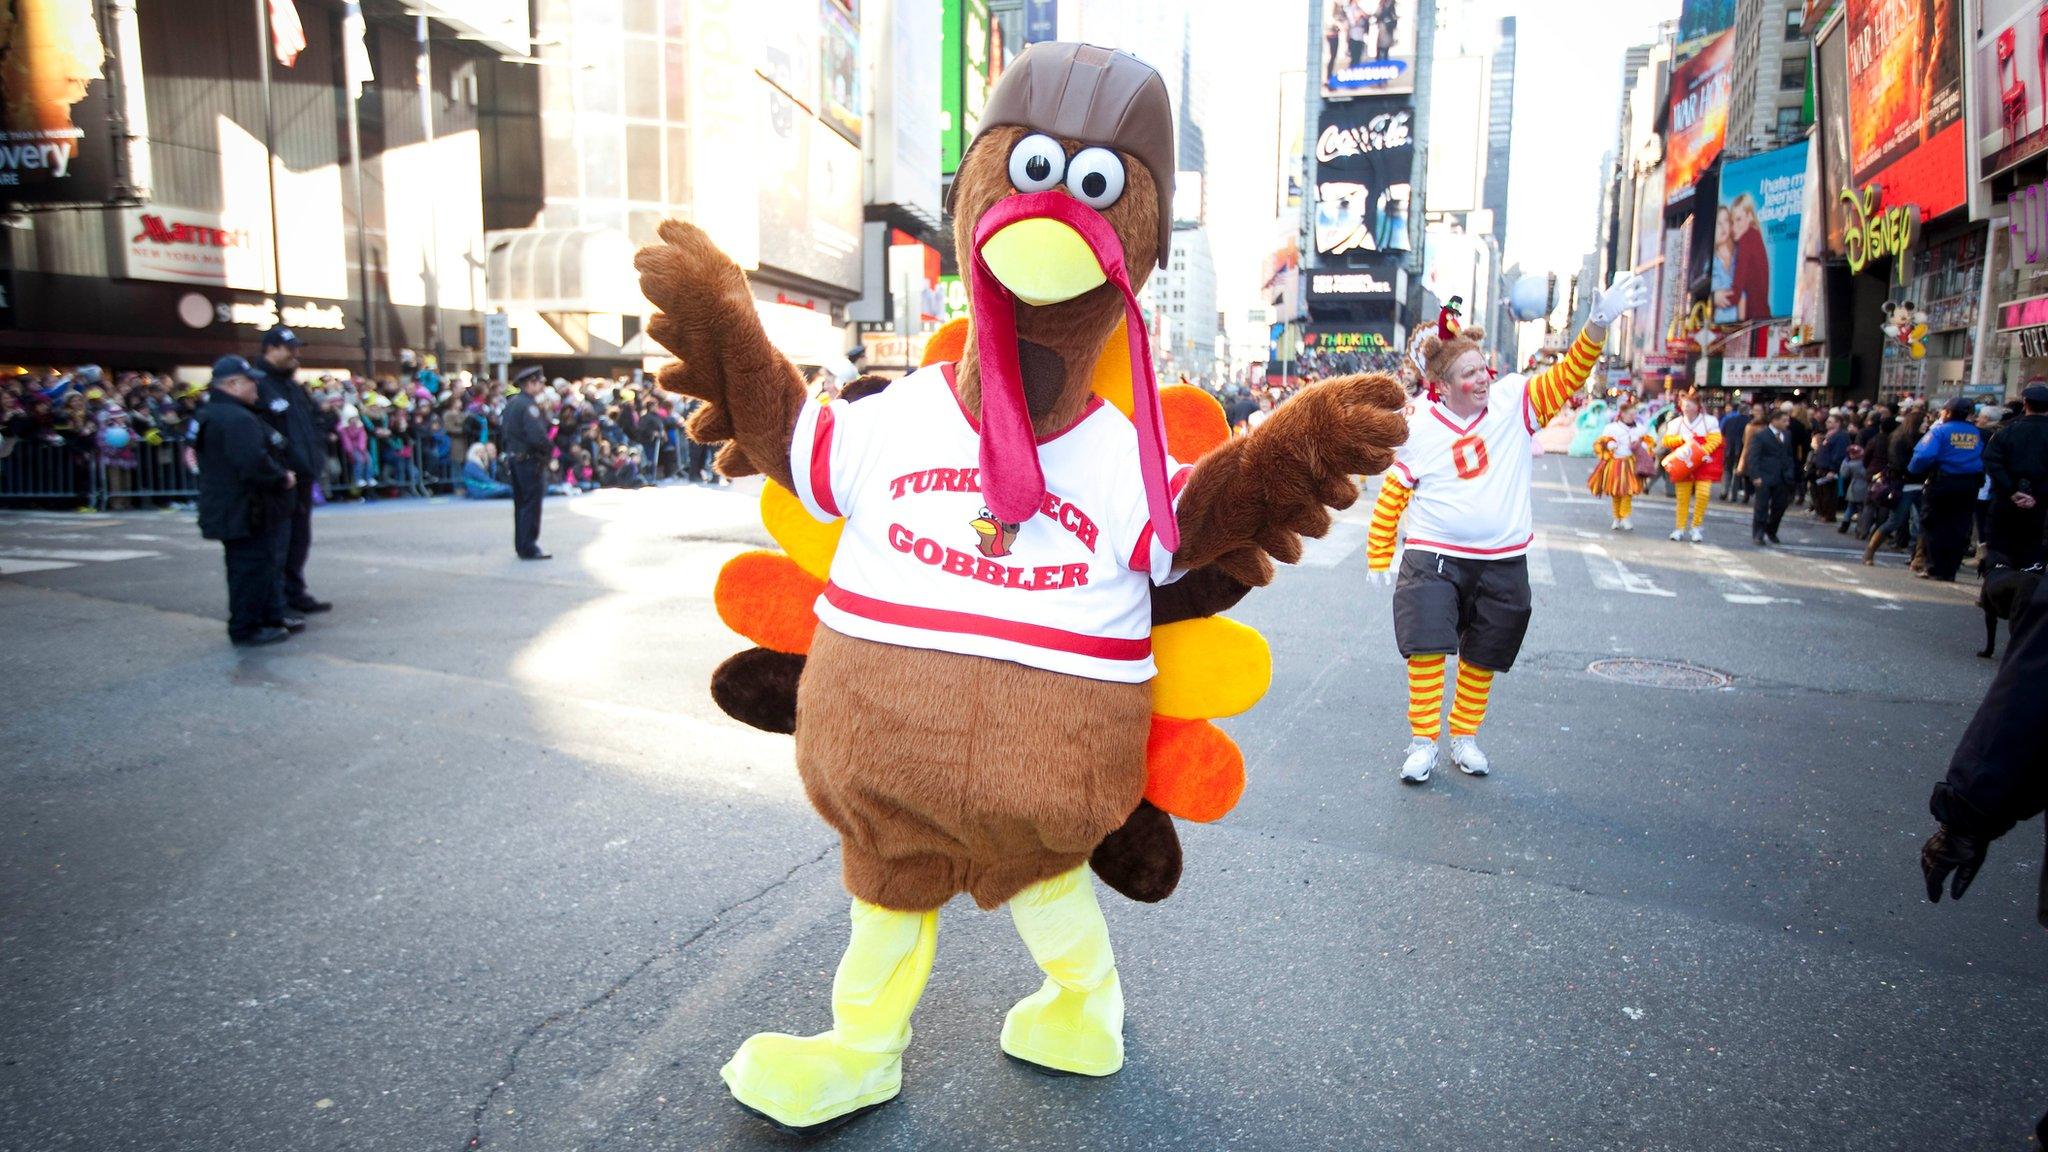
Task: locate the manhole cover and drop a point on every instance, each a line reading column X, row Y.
column 1660, row 674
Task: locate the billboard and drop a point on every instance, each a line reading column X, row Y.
column 1905, row 80
column 1699, row 22
column 1365, row 160
column 1281, row 289
column 56, row 142
column 1831, row 90
column 2011, row 84
column 963, row 76
column 839, row 102
column 1368, row 47
column 903, row 142
column 1699, row 116
column 1755, row 259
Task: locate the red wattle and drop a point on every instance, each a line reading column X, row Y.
column 1011, row 478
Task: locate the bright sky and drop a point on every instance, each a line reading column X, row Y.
column 1568, row 95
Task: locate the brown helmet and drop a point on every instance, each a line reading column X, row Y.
column 1100, row 96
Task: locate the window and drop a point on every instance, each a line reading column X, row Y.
column 1788, row 121
column 1795, row 22
column 1793, row 76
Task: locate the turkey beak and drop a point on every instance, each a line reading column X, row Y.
column 1042, row 261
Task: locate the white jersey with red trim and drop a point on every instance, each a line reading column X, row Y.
column 923, row 564
column 1471, row 477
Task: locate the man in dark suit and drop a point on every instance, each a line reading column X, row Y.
column 1769, row 464
column 526, row 451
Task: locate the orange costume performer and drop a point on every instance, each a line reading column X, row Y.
column 971, row 646
column 1694, row 460
column 1614, row 469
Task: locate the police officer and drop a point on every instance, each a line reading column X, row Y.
column 2017, row 462
column 245, row 487
column 526, row 452
column 1951, row 456
column 291, row 411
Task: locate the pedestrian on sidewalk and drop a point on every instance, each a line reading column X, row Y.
column 1734, row 435
column 1615, row 476
column 1952, row 457
column 1827, row 461
column 1855, row 490
column 245, row 490
column 1695, row 446
column 2016, row 461
column 1901, row 485
column 527, row 451
column 1768, row 463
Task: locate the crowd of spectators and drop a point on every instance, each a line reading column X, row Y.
column 395, row 435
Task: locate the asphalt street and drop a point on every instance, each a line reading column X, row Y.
column 476, row 862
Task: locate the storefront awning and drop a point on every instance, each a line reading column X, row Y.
column 563, row 270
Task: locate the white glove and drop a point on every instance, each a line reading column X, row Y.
column 1627, row 293
column 1384, row 578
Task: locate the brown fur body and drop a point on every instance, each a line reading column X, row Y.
column 945, row 773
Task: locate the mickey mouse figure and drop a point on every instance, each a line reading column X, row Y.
column 1907, row 325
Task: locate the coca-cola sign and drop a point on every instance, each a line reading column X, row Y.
column 1356, row 138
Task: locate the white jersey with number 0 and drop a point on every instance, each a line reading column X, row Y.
column 1470, row 477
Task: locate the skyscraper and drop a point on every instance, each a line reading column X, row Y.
column 1500, row 129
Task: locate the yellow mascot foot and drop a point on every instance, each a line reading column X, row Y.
column 1075, row 1022
column 1061, row 1030
column 808, row 1084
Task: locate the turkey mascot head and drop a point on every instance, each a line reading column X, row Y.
column 1061, row 208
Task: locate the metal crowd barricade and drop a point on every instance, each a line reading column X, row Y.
column 347, row 478
column 147, row 473
column 439, row 470
column 58, row 475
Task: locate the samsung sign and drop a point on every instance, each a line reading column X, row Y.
column 1349, row 284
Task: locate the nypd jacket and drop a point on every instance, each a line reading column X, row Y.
column 1950, row 448
column 288, row 408
column 242, row 469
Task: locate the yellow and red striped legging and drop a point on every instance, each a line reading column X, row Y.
column 1426, row 697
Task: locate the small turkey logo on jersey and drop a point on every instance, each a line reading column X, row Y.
column 996, row 536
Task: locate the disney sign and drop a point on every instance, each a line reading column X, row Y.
column 1868, row 234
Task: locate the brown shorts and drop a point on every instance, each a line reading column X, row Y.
column 947, row 774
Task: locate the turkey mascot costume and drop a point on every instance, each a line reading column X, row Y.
column 990, row 543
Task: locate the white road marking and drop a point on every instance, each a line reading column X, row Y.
column 1345, row 539
column 1885, row 600
column 1540, row 571
column 88, row 555
column 1570, row 497
column 1611, row 575
column 1735, row 579
column 10, row 567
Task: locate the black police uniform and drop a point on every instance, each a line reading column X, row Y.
column 2017, row 460
column 290, row 410
column 526, row 454
column 243, row 470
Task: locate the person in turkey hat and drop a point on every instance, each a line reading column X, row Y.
column 287, row 407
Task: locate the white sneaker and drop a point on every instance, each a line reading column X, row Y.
column 1616, row 526
column 1466, row 755
column 1421, row 758
column 1676, row 534
column 1697, row 537
column 1627, row 525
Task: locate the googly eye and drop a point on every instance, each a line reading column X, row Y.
column 1037, row 163
column 1096, row 177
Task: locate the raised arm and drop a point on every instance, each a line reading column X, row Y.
column 1550, row 388
column 751, row 392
